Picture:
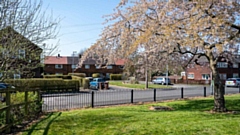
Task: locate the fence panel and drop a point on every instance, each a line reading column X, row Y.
column 112, row 97
column 65, row 101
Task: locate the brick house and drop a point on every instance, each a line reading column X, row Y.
column 68, row 64
column 201, row 73
column 23, row 55
column 60, row 64
column 89, row 67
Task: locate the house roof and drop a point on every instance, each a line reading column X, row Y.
column 61, row 60
column 120, row 62
column 55, row 60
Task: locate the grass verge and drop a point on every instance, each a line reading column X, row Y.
column 137, row 86
column 188, row 117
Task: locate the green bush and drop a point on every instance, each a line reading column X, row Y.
column 43, row 84
column 58, row 76
column 115, row 76
column 79, row 79
column 85, row 83
column 77, row 74
column 95, row 75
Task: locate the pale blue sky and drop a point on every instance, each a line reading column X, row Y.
column 81, row 22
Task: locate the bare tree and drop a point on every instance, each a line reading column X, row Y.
column 24, row 27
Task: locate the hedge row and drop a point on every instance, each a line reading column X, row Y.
column 57, row 76
column 115, row 76
column 43, row 83
column 77, row 74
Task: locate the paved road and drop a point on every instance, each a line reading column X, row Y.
column 121, row 96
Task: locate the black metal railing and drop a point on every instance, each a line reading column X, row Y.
column 74, row 100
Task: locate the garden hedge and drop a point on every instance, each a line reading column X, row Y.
column 77, row 74
column 115, row 76
column 95, row 75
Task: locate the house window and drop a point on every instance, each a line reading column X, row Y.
column 17, row 76
column 58, row 66
column 21, row 53
column 222, row 64
column 183, row 73
column 235, row 65
column 121, row 67
column 205, row 76
column 87, row 66
column 74, row 66
column 191, row 76
column 98, row 67
column 223, row 76
column 109, row 67
column 235, row 75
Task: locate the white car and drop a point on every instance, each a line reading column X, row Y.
column 232, row 82
column 161, row 80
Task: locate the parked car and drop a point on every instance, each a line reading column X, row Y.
column 232, row 82
column 161, row 80
column 94, row 84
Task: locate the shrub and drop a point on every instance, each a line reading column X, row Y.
column 115, row 76
column 95, row 75
column 80, row 80
column 43, row 84
column 58, row 76
column 77, row 74
column 85, row 83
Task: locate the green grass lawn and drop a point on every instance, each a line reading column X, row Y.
column 188, row 117
column 137, row 86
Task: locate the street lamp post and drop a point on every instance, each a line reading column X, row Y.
column 73, row 55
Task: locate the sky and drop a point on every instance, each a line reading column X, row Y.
column 81, row 22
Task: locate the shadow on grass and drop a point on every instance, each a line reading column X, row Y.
column 46, row 129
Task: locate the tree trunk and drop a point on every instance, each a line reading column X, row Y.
column 146, row 78
column 146, row 72
column 219, row 101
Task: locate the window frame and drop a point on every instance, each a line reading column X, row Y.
column 221, row 76
column 222, row 65
column 190, row 77
column 87, row 66
column 58, row 66
column 73, row 66
column 235, row 65
column 21, row 52
column 205, row 78
column 109, row 67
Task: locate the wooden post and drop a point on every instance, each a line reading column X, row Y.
column 8, row 104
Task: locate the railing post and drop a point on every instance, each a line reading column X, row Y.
column 92, row 99
column 154, row 95
column 204, row 92
column 8, row 110
column 131, row 96
column 182, row 92
column 238, row 88
column 39, row 96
